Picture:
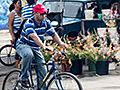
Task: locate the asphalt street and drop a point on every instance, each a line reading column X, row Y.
column 89, row 80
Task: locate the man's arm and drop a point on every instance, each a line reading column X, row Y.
column 58, row 40
column 37, row 40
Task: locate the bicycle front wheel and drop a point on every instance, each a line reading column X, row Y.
column 7, row 54
column 11, row 81
column 66, row 81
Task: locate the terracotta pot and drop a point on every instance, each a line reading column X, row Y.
column 65, row 65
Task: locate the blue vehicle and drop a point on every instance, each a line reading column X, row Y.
column 68, row 14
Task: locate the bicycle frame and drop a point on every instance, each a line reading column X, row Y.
column 52, row 69
column 10, row 49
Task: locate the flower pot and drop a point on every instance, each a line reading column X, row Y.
column 112, row 66
column 76, row 67
column 102, row 67
column 91, row 66
column 65, row 65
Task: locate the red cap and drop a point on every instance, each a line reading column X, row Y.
column 39, row 8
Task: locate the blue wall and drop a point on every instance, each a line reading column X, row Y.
column 4, row 12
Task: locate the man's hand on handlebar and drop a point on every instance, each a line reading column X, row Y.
column 64, row 45
column 49, row 48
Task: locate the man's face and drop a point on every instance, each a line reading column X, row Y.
column 40, row 17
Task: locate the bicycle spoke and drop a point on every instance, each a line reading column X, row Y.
column 65, row 82
column 10, row 59
column 12, row 80
column 7, row 55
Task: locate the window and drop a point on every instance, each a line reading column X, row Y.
column 73, row 9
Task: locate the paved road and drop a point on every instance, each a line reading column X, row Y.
column 88, row 79
column 106, row 82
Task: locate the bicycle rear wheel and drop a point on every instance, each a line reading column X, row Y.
column 12, row 80
column 7, row 54
column 67, row 80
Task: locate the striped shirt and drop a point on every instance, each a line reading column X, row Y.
column 16, row 22
column 30, row 27
column 27, row 11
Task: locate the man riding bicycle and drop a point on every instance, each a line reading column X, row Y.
column 31, row 41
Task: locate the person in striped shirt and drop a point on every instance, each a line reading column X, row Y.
column 30, row 43
column 27, row 10
column 14, row 22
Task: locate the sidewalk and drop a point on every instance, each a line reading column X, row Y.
column 4, row 37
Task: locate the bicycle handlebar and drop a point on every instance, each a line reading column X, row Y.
column 55, row 52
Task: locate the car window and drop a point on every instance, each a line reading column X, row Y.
column 71, row 9
column 53, row 6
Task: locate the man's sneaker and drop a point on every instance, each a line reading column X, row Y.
column 25, row 84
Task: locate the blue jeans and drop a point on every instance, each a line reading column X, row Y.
column 29, row 55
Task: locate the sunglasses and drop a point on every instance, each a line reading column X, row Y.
column 42, row 13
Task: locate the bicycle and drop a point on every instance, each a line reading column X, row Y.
column 7, row 54
column 59, row 80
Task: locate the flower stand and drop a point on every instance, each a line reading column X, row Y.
column 102, row 67
column 112, row 66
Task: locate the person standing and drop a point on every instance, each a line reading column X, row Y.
column 27, row 10
column 14, row 22
column 30, row 44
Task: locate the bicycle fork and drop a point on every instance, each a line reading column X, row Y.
column 56, row 82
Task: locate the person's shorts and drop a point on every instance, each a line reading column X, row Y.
column 17, row 56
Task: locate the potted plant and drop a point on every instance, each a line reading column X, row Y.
column 75, row 55
column 73, row 62
column 110, row 19
column 90, row 41
column 100, row 55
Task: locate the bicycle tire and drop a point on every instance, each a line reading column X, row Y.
column 11, row 80
column 6, row 58
column 68, row 80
